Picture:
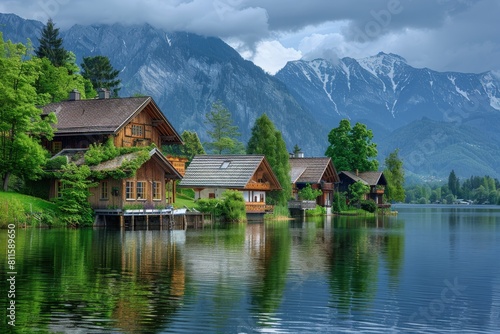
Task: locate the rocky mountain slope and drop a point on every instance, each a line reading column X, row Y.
column 440, row 121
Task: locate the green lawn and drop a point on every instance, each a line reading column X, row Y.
column 30, row 203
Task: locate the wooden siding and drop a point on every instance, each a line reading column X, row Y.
column 127, row 137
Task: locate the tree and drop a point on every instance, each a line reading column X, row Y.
column 296, row 150
column 453, row 183
column 222, row 131
column 266, row 140
column 308, row 193
column 73, row 202
column 101, row 74
column 51, row 45
column 192, row 146
column 395, row 177
column 21, row 125
column 352, row 148
column 357, row 191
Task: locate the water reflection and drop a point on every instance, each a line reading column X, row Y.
column 348, row 273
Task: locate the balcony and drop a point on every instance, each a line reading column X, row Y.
column 378, row 190
column 327, row 186
column 258, row 186
column 258, row 207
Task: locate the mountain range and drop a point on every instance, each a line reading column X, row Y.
column 439, row 120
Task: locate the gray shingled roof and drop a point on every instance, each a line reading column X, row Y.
column 224, row 171
column 309, row 170
column 94, row 115
column 369, row 178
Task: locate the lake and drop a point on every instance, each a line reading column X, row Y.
column 430, row 269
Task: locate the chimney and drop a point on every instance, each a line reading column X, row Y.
column 74, row 95
column 103, row 93
column 299, row 154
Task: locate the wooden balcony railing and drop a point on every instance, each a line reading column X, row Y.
column 327, row 186
column 258, row 186
column 255, row 207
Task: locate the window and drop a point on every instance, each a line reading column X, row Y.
column 56, row 146
column 137, row 130
column 104, row 190
column 129, row 190
column 141, row 185
column 156, row 190
column 225, row 164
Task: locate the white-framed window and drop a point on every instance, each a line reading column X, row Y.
column 137, row 130
column 140, row 190
column 129, row 190
column 156, row 190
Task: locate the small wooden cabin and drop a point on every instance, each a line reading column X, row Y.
column 375, row 180
column 319, row 172
column 211, row 175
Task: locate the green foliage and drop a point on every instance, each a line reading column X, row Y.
column 339, row 202
column 21, row 125
column 317, row 211
column 101, row 73
column 308, row 193
column 266, row 140
column 357, row 191
column 222, row 131
column 73, row 203
column 279, row 211
column 192, row 146
column 234, row 209
column 369, row 205
column 230, row 207
column 11, row 211
column 395, row 177
column 351, row 148
column 453, row 183
column 51, row 45
column 98, row 152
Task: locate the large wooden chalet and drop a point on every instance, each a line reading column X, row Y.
column 134, row 121
column 211, row 175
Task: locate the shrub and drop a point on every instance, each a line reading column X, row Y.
column 339, row 202
column 210, row 205
column 234, row 209
column 11, row 211
column 369, row 205
column 317, row 211
column 308, row 193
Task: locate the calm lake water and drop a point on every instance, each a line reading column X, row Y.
column 432, row 269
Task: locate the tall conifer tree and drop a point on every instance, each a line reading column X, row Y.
column 267, row 140
column 51, row 45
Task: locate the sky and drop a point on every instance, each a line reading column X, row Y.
column 443, row 35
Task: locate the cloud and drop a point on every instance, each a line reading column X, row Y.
column 440, row 34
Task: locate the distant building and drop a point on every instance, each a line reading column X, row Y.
column 211, row 175
column 375, row 180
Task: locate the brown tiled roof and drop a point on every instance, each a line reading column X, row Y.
column 312, row 170
column 224, row 171
column 95, row 115
column 369, row 178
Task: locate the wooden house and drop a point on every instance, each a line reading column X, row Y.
column 211, row 175
column 375, row 180
column 320, row 173
column 128, row 122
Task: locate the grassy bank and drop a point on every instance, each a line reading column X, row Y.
column 20, row 208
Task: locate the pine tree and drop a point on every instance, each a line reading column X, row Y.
column 222, row 131
column 395, row 177
column 51, row 45
column 100, row 72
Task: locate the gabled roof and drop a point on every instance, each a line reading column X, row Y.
column 77, row 156
column 105, row 116
column 226, row 171
column 368, row 178
column 313, row 170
